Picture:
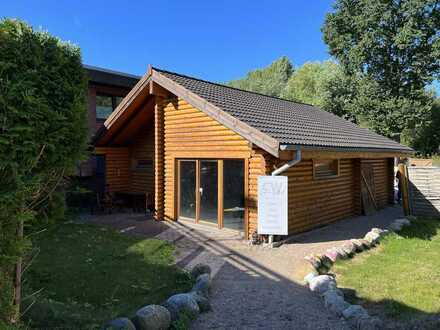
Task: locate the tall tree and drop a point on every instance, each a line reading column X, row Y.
column 269, row 81
column 391, row 51
column 42, row 136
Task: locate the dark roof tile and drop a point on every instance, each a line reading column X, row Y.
column 286, row 121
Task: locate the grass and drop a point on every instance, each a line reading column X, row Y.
column 436, row 160
column 89, row 275
column 401, row 278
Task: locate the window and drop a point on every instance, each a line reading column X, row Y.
column 105, row 104
column 325, row 168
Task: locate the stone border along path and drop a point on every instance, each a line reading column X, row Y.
column 160, row 317
column 321, row 282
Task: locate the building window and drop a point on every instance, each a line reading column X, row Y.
column 325, row 168
column 105, row 104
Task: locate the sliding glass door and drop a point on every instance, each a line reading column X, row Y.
column 187, row 189
column 209, row 191
column 212, row 191
column 233, row 199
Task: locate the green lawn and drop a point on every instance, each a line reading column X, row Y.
column 90, row 274
column 400, row 279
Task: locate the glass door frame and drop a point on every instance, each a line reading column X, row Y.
column 219, row 222
column 178, row 189
column 220, row 191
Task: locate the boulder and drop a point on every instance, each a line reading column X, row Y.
column 365, row 243
column 332, row 254
column 333, row 287
column 357, row 317
column 326, row 261
column 202, row 301
column 372, row 237
column 121, row 323
column 182, row 303
column 321, row 283
column 335, row 302
column 310, row 276
column 396, row 226
column 200, row 269
column 411, row 218
column 349, row 248
column 354, row 312
column 342, row 253
column 403, row 221
column 314, row 261
column 369, row 323
column 376, row 230
column 358, row 244
column 153, row 317
column 202, row 285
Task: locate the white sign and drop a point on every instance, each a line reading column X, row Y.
column 272, row 205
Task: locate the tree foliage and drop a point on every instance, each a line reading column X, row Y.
column 390, row 50
column 321, row 84
column 42, row 134
column 426, row 139
column 269, row 81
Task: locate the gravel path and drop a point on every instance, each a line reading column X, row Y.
column 255, row 287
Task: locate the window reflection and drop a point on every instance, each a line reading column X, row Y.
column 233, row 200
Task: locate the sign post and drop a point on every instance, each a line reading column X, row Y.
column 272, row 205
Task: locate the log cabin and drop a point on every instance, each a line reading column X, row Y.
column 198, row 148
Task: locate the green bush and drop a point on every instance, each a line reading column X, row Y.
column 42, row 135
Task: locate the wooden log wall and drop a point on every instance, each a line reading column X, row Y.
column 313, row 203
column 257, row 167
column 117, row 164
column 142, row 148
column 191, row 134
column 159, row 171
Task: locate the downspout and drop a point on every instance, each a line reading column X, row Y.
column 286, row 166
column 290, row 163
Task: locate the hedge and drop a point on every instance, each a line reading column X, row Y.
column 43, row 135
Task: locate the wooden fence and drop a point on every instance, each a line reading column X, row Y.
column 424, row 190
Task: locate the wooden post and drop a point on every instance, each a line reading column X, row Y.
column 403, row 184
column 159, row 159
column 220, row 193
column 17, row 280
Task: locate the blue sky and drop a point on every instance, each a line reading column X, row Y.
column 214, row 40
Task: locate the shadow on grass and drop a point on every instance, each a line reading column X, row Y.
column 396, row 315
column 422, row 228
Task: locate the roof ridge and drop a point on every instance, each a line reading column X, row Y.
column 230, row 87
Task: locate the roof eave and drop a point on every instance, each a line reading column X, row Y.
column 405, row 151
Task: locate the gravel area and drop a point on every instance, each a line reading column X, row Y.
column 256, row 287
